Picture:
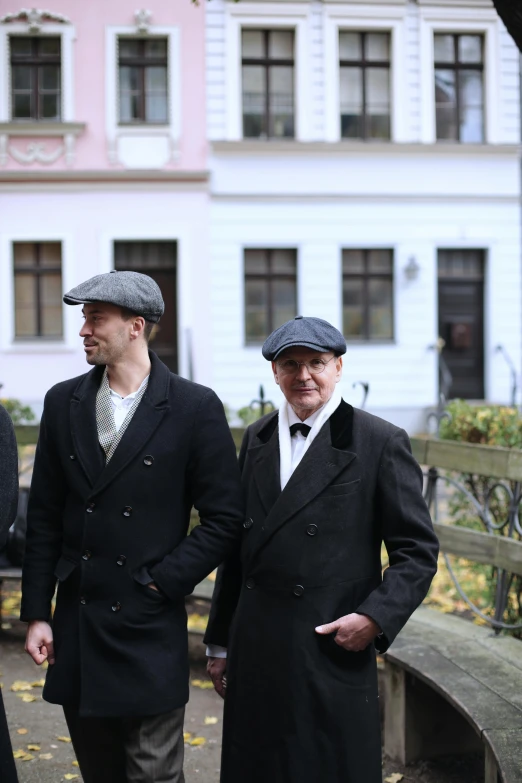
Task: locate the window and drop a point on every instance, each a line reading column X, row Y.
column 268, row 83
column 270, row 291
column 459, row 90
column 368, row 294
column 35, row 78
column 38, row 289
column 143, row 82
column 364, row 60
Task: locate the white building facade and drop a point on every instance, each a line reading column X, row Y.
column 365, row 169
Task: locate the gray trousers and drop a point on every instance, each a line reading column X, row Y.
column 128, row 750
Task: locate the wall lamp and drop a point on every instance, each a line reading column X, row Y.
column 412, row 269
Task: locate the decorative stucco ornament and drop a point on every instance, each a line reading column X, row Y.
column 143, row 17
column 35, row 18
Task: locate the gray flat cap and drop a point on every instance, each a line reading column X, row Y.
column 137, row 292
column 306, row 331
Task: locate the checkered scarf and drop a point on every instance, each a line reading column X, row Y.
column 108, row 436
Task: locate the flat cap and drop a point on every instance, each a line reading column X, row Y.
column 138, row 293
column 309, row 332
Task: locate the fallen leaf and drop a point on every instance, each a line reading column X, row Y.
column 70, row 776
column 197, row 741
column 33, row 747
column 21, row 685
column 22, row 731
column 75, row 764
column 38, row 683
column 210, row 720
column 203, row 684
column 394, row 778
column 6, row 626
column 45, row 756
column 64, row 739
column 27, row 697
column 54, row 746
column 19, row 753
column 186, row 735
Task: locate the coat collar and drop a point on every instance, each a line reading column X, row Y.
column 325, row 459
column 144, row 422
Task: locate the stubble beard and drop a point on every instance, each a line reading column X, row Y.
column 107, row 355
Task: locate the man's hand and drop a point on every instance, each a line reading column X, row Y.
column 153, row 586
column 39, row 642
column 217, row 668
column 354, row 631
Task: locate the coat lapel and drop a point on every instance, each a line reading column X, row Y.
column 147, row 418
column 83, row 425
column 324, row 460
column 265, row 464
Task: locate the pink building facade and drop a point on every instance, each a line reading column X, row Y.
column 102, row 165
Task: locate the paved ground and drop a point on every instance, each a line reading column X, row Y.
column 43, row 724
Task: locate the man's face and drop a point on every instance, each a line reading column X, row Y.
column 106, row 336
column 306, row 390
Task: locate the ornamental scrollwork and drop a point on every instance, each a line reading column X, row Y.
column 35, row 18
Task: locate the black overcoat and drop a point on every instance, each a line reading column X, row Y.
column 299, row 708
column 8, row 505
column 105, row 531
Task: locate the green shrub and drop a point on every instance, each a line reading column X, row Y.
column 20, row 414
column 249, row 415
column 490, row 425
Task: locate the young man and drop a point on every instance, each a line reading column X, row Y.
column 302, row 606
column 124, row 453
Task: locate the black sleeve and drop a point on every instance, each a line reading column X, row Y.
column 44, row 525
column 8, row 475
column 409, row 538
column 214, row 487
column 228, row 584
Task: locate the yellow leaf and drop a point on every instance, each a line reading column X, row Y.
column 27, row 757
column 19, row 753
column 26, row 697
column 33, row 747
column 70, row 776
column 21, row 685
column 210, row 720
column 197, row 741
column 394, row 778
column 45, row 756
column 186, row 735
column 64, row 739
column 203, row 684
column 21, row 731
column 75, row 764
column 38, row 683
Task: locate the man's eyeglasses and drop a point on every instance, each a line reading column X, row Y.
column 291, row 366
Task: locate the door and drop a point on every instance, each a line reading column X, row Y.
column 159, row 261
column 461, row 320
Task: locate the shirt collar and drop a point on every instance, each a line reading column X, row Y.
column 293, row 418
column 132, row 396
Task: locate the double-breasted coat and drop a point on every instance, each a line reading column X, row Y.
column 299, row 708
column 105, row 531
column 8, row 505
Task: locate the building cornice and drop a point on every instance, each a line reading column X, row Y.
column 48, row 129
column 104, row 176
column 254, row 147
column 365, row 198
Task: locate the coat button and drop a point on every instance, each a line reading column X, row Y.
column 127, row 511
column 247, row 524
column 83, row 600
column 149, row 459
column 72, row 456
column 90, row 508
column 298, row 590
column 311, row 530
column 87, row 555
column 121, row 560
column 116, row 606
column 250, row 583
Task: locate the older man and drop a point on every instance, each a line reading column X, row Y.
column 301, row 608
column 124, row 453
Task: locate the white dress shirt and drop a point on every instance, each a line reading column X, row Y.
column 121, row 405
column 298, row 443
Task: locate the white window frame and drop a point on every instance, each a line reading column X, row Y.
column 172, row 129
column 384, row 19
column 67, row 34
column 460, row 20
column 293, row 16
column 9, row 343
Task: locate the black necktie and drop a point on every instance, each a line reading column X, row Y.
column 300, row 427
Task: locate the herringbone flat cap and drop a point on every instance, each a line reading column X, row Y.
column 138, row 293
column 306, row 331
